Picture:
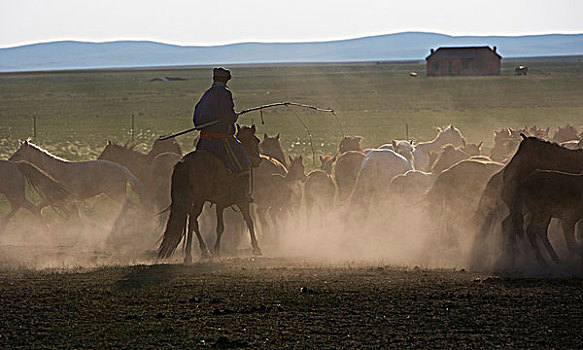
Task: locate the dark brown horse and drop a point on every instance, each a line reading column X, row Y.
column 533, row 154
column 198, row 178
column 549, row 194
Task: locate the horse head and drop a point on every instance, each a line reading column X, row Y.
column 108, row 152
column 327, row 162
column 296, row 168
column 271, row 146
column 565, row 133
column 250, row 142
column 472, row 149
column 449, row 156
column 503, row 135
column 451, row 135
column 350, row 143
column 23, row 152
column 404, row 148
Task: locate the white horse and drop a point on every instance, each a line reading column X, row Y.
column 402, row 147
column 376, row 172
column 83, row 179
column 449, row 135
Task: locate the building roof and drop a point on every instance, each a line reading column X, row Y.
column 461, row 52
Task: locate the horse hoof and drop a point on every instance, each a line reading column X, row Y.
column 188, row 260
column 206, row 255
column 257, row 252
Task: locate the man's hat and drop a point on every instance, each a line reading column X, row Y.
column 221, row 72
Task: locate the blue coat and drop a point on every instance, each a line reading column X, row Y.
column 217, row 104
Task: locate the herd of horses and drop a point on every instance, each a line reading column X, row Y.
column 527, row 178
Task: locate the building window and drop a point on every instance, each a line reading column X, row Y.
column 435, row 65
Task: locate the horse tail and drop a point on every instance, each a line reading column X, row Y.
column 50, row 191
column 135, row 183
column 176, row 225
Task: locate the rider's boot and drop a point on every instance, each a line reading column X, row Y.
column 241, row 188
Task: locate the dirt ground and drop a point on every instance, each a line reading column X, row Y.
column 284, row 303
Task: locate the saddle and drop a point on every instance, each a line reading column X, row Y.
column 240, row 185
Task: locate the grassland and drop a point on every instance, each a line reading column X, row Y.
column 78, row 111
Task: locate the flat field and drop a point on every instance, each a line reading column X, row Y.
column 62, row 292
column 78, row 111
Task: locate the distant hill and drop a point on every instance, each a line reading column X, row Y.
column 400, row 46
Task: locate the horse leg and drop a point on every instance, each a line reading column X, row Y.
column 275, row 215
column 220, row 229
column 479, row 248
column 538, row 227
column 580, row 230
column 309, row 208
column 36, row 211
column 443, row 230
column 14, row 208
column 509, row 238
column 262, row 215
column 547, row 244
column 569, row 234
column 193, row 226
column 118, row 196
column 249, row 221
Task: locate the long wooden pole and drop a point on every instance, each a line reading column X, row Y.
column 285, row 104
column 258, row 108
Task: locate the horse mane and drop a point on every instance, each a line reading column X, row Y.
column 547, row 154
column 45, row 152
column 547, row 143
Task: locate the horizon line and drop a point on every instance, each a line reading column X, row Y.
column 279, row 42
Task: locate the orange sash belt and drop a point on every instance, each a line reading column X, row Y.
column 213, row 135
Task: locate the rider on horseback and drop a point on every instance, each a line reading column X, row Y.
column 216, row 104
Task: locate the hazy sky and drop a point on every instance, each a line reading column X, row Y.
column 194, row 22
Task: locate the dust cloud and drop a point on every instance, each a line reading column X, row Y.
column 393, row 231
column 95, row 236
